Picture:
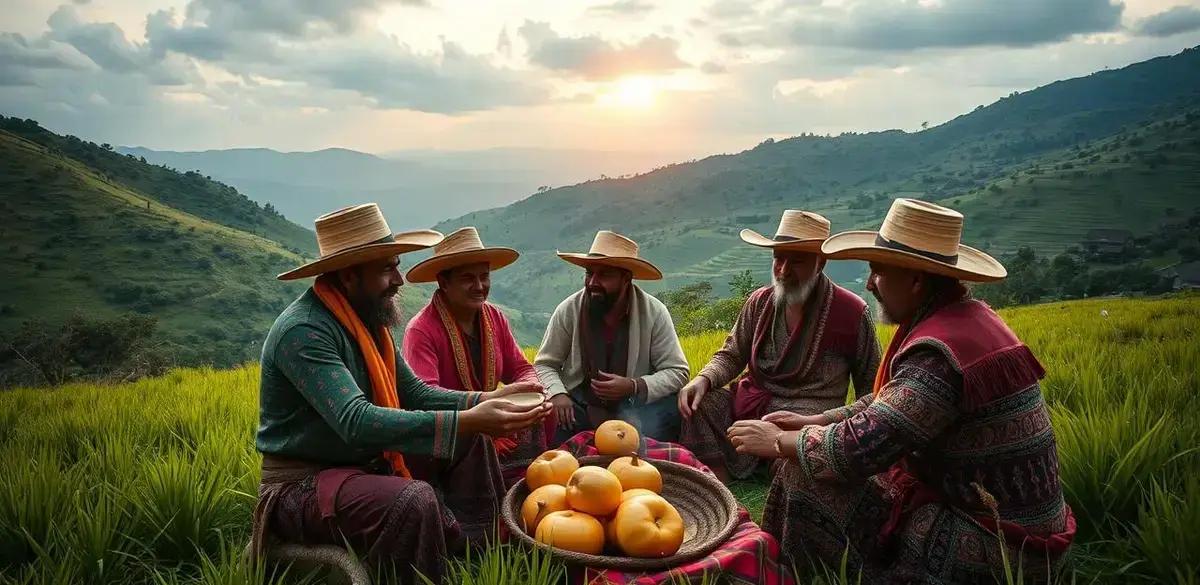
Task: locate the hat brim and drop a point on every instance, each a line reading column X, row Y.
column 972, row 265
column 804, row 245
column 641, row 269
column 402, row 243
column 428, row 269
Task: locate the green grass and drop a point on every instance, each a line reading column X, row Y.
column 153, row 481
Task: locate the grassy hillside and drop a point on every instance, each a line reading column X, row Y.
column 154, row 481
column 77, row 240
column 686, row 216
column 188, row 191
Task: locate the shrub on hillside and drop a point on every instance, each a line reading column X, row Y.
column 82, row 347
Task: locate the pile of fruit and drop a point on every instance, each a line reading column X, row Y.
column 588, row 509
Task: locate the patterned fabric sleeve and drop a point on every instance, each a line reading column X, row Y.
column 911, row 410
column 732, row 358
column 842, row 413
column 309, row 358
column 866, row 358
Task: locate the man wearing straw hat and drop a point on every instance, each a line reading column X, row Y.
column 340, row 415
column 610, row 350
column 948, row 471
column 460, row 341
column 800, row 341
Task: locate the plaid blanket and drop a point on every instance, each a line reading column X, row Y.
column 749, row 557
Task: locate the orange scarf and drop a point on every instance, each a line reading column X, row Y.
column 379, row 353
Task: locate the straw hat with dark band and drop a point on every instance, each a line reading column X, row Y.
column 461, row 247
column 800, row 231
column 613, row 249
column 358, row 234
column 918, row 235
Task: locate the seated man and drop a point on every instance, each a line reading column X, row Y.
column 919, row 481
column 803, row 339
column 611, row 350
column 461, row 342
column 341, row 417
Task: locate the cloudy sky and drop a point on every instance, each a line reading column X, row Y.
column 690, row 76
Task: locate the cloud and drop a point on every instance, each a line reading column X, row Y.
column 623, row 8
column 16, row 51
column 292, row 18
column 594, row 58
column 1179, row 19
column 901, row 25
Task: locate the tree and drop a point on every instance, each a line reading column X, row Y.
column 742, row 284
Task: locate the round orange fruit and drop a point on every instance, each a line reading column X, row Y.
column 648, row 527
column 551, row 467
column 571, row 530
column 542, row 502
column 635, row 473
column 594, row 490
column 635, row 492
column 616, row 437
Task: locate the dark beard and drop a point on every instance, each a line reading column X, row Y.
column 598, row 306
column 377, row 311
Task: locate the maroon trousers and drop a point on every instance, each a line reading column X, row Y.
column 401, row 525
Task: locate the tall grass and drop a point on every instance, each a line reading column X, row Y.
column 153, row 481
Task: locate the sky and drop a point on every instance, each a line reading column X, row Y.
column 685, row 78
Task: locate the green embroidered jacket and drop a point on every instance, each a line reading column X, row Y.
column 312, row 403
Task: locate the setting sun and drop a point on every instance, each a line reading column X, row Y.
column 631, row 92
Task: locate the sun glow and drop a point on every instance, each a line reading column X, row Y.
column 630, row 92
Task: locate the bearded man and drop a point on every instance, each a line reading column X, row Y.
column 459, row 341
column 948, row 471
column 800, row 341
column 610, row 350
column 342, row 418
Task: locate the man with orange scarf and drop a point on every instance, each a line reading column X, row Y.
column 459, row 341
column 344, row 424
column 948, row 471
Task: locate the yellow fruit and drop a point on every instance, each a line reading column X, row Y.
column 551, row 467
column 594, row 490
column 541, row 502
column 648, row 526
column 635, row 492
column 635, row 473
column 571, row 530
column 616, row 438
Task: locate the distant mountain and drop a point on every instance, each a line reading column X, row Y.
column 686, row 216
column 415, row 188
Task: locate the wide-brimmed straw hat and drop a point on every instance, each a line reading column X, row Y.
column 613, row 249
column 800, row 231
column 461, row 247
column 353, row 235
column 918, row 235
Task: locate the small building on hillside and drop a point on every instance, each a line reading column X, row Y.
column 1106, row 242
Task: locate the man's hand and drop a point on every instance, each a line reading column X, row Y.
column 499, row 418
column 515, row 388
column 790, row 421
column 612, row 387
column 691, row 395
column 754, row 437
column 564, row 409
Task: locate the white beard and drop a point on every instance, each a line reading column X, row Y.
column 796, row 294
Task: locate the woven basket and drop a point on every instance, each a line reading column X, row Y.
column 708, row 509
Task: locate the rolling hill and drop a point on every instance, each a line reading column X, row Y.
column 78, row 240
column 686, row 216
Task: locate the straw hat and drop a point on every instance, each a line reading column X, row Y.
column 613, row 249
column 353, row 235
column 462, row 246
column 801, row 231
column 919, row 235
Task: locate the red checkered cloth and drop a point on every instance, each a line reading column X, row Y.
column 749, row 557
